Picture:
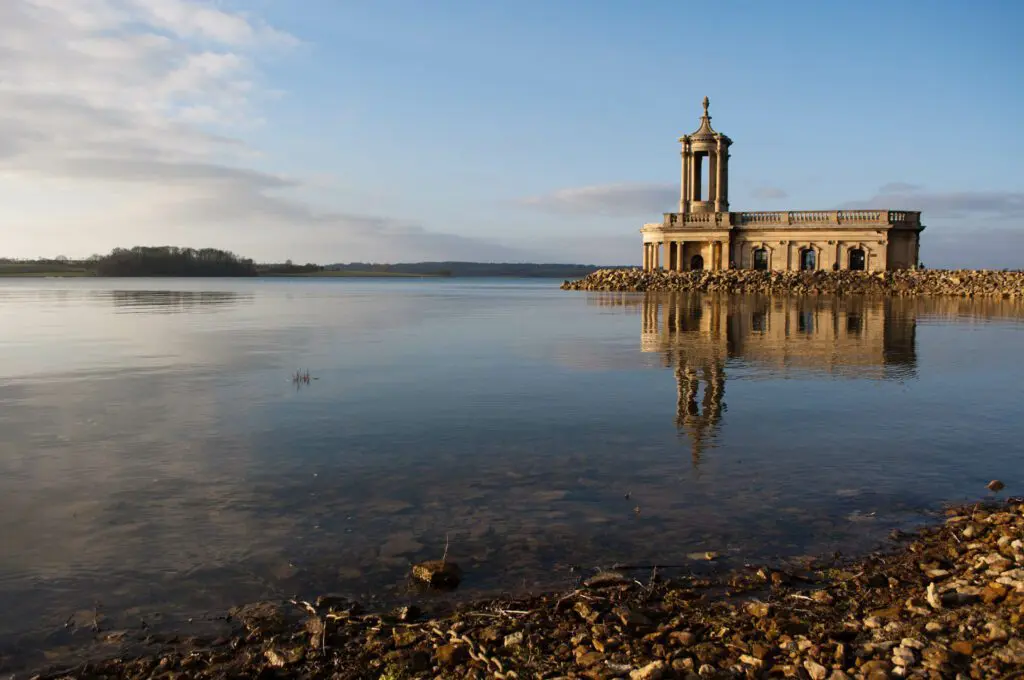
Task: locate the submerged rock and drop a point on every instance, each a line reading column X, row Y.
column 438, row 573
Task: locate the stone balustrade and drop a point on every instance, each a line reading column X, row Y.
column 790, row 218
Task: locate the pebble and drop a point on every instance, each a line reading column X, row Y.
column 652, row 671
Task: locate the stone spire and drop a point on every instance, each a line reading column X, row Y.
column 705, row 130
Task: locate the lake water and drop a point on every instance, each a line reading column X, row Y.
column 158, row 463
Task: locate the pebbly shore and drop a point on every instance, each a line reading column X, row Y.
column 959, row 283
column 945, row 602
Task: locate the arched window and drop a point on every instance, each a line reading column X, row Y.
column 857, row 259
column 697, row 263
column 808, row 260
column 761, row 259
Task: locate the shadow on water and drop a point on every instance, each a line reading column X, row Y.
column 758, row 428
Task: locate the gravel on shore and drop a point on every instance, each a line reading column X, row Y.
column 946, row 603
column 904, row 282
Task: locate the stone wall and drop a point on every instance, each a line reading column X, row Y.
column 960, row 283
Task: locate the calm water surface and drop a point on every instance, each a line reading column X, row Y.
column 157, row 461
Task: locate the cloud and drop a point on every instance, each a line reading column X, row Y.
column 898, row 188
column 617, row 200
column 133, row 111
column 948, row 204
column 770, row 193
column 972, row 229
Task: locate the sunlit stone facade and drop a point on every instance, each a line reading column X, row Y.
column 704, row 234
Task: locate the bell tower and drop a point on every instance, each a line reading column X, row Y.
column 705, row 182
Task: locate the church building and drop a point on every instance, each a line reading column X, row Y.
column 704, row 234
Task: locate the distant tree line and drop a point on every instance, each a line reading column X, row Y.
column 513, row 269
column 288, row 268
column 172, row 261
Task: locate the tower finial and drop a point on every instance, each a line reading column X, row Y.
column 706, row 102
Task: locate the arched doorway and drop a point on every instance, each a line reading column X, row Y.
column 808, row 260
column 857, row 259
column 697, row 263
column 761, row 259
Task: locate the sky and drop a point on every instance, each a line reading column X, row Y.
column 401, row 130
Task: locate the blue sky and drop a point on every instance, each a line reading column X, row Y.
column 398, row 130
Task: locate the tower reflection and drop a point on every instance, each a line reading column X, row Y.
column 700, row 336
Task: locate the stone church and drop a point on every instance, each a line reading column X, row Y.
column 704, row 234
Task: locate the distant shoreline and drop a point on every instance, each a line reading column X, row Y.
column 305, row 275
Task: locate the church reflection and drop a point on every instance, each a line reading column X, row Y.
column 699, row 337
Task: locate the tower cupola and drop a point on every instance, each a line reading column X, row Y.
column 705, row 178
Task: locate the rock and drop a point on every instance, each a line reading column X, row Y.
column 758, row 609
column 963, row 647
column 279, row 658
column 822, row 596
column 901, row 656
column 993, row 592
column 607, row 579
column 683, row 638
column 934, row 658
column 337, row 604
column 632, row 617
column 407, row 613
column 586, row 612
column 706, row 556
column 876, row 666
column 751, row 660
column 1012, row 653
column 451, row 655
column 405, row 637
column 911, row 643
column 815, row 670
column 995, row 485
column 438, row 573
column 652, row 671
column 996, row 632
column 275, row 658
column 514, row 639
column 933, row 597
column 261, row 617
column 589, row 659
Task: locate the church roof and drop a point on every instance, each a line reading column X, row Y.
column 705, row 133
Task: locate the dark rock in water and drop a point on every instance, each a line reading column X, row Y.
column 406, row 614
column 607, row 579
column 437, row 573
column 338, row 604
column 261, row 617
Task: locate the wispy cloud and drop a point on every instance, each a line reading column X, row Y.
column 146, row 100
column 945, row 204
column 620, row 200
column 770, row 193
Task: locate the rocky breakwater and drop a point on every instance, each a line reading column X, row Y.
column 959, row 283
column 947, row 603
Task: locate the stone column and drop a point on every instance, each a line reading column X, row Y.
column 713, row 179
column 681, row 249
column 643, row 257
column 684, row 183
column 657, row 254
column 726, row 254
column 719, row 181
